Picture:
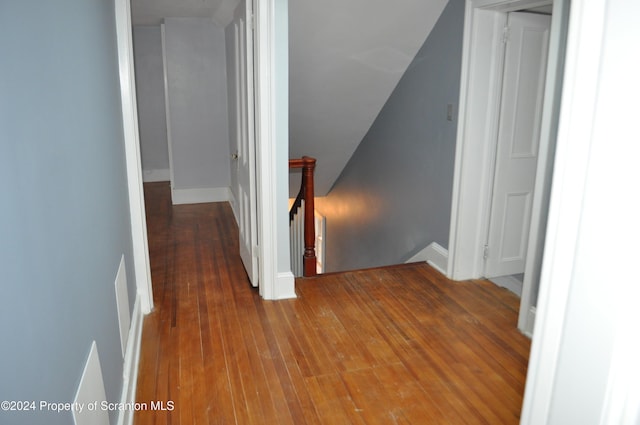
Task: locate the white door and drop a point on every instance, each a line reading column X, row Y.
column 245, row 138
column 527, row 40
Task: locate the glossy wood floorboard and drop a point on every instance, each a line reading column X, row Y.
column 398, row 345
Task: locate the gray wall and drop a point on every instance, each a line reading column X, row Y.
column 196, row 73
column 394, row 196
column 64, row 221
column 147, row 43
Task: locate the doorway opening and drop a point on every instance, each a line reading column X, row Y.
column 484, row 57
column 526, row 41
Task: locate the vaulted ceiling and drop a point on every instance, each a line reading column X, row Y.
column 346, row 57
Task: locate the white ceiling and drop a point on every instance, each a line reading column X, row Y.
column 151, row 12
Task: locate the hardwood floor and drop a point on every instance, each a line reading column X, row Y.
column 383, row 346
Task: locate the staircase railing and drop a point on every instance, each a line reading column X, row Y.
column 301, row 221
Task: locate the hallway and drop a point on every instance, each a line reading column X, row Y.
column 392, row 345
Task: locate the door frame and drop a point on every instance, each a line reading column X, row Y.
column 480, row 93
column 141, row 266
column 271, row 127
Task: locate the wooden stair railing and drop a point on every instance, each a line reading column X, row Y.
column 306, row 194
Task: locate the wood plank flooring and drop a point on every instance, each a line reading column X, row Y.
column 398, row 345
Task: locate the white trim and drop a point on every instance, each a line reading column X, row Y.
column 273, row 285
column 480, row 90
column 531, row 320
column 200, row 195
column 579, row 102
column 162, row 175
column 265, row 148
column 141, row 265
column 131, row 364
column 284, row 288
column 435, row 255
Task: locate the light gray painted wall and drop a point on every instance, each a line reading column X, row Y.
column 64, row 221
column 196, row 72
column 394, row 196
column 147, row 44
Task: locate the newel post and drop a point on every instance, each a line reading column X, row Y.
column 309, row 257
column 306, row 193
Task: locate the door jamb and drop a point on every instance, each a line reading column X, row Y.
column 481, row 77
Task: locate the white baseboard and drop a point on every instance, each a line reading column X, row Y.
column 131, row 363
column 285, row 286
column 149, row 176
column 435, row 255
column 531, row 320
column 200, row 195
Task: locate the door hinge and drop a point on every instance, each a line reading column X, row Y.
column 506, row 32
column 485, row 252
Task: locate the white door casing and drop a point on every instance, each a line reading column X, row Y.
column 141, row 265
column 523, row 83
column 272, row 138
column 480, row 87
column 245, row 165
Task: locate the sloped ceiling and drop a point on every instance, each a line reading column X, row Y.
column 346, row 57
